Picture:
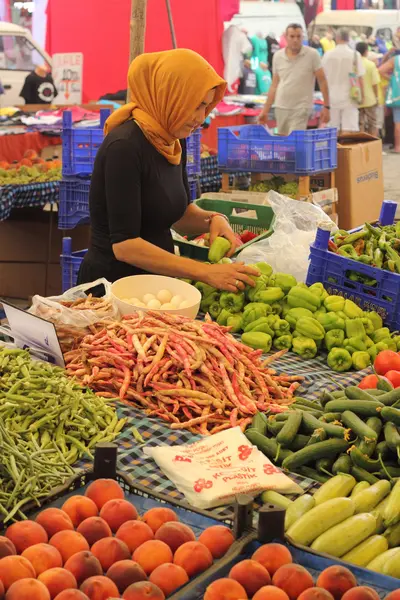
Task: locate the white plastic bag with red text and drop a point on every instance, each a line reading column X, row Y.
column 212, row 471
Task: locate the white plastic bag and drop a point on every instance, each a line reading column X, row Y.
column 214, row 470
column 288, row 248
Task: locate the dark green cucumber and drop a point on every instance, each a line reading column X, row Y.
column 337, row 394
column 355, row 393
column 327, row 397
column 329, row 417
column 383, row 449
column 392, row 437
column 299, row 442
column 324, row 465
column 309, row 454
column 310, row 423
column 389, row 413
column 259, row 422
column 274, row 426
column 267, row 446
column 318, row 435
column 376, row 393
column 363, row 475
column 315, row 413
column 312, row 474
column 389, row 398
column 368, row 446
column 342, row 464
column 290, row 428
column 364, row 408
column 363, row 461
column 384, row 384
column 361, row 429
column 283, row 416
column 392, row 470
column 305, row 402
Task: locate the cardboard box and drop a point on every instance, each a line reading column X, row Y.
column 359, row 179
column 327, row 200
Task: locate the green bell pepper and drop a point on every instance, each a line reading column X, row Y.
column 383, row 345
column 281, row 327
column 341, row 314
column 283, row 341
column 380, row 334
column 330, row 320
column 301, row 297
column 361, row 360
column 235, row 322
column 252, row 305
column 391, row 344
column 295, row 313
column 276, row 308
column 214, row 309
column 223, row 317
column 264, row 268
column 319, row 290
column 204, row 289
column 334, row 303
column 310, row 328
column 258, row 310
column 396, row 339
column 285, row 308
column 373, row 352
column 257, row 340
column 261, row 284
column 233, row 302
column 270, row 295
column 225, row 261
column 334, row 338
column 208, row 300
column 355, row 328
column 283, row 281
column 368, row 325
column 368, row 342
column 354, row 344
column 272, row 319
column 320, row 311
column 260, row 324
column 218, row 249
column 351, row 310
column 304, row 346
column 375, row 318
column 339, row 360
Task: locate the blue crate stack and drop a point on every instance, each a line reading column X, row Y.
column 193, row 162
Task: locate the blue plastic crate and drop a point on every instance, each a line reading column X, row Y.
column 334, row 272
column 70, row 263
column 80, row 146
column 73, row 208
column 193, row 188
column 252, row 148
column 193, row 152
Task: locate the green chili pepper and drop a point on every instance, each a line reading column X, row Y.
column 348, row 251
column 378, row 258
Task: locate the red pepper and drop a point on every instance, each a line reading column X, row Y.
column 332, row 246
column 247, row 236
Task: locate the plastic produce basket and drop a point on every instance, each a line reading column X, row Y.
column 193, row 186
column 262, row 225
column 334, row 272
column 79, row 146
column 252, row 148
column 73, row 206
column 193, row 152
column 70, row 263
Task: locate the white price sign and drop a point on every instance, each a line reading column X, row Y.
column 68, row 77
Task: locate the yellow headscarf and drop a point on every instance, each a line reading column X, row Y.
column 166, row 88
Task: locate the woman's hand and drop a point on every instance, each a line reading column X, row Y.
column 220, row 227
column 231, row 278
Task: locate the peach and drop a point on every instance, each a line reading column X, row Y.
column 68, row 543
column 337, row 580
column 125, row 572
column 71, row 595
column 151, row 554
column 7, row 548
column 155, row 517
column 169, row 577
column 293, row 579
column 143, row 590
column 218, row 539
column 395, row 595
column 272, row 557
column 225, row 589
column 103, row 490
column 54, row 520
column 13, row 568
column 118, row 511
column 360, row 593
column 134, row 534
column 56, row 580
column 109, row 551
column 94, row 529
column 43, row 557
column 28, row 589
column 30, row 154
column 79, row 508
column 174, row 535
column 99, row 588
column 270, row 592
column 194, row 557
column 251, row 575
column 2, row 590
column 83, row 565
column 26, row 533
column 315, row 593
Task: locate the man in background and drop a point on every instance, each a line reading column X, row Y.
column 39, row 86
column 294, row 71
column 339, row 65
column 368, row 111
column 327, row 42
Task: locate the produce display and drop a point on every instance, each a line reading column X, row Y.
column 375, row 245
column 47, row 422
column 386, row 364
column 191, row 374
column 277, row 184
column 164, row 300
column 97, row 543
column 30, row 169
column 281, row 313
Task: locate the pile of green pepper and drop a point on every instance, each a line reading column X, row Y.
column 281, row 313
column 375, row 245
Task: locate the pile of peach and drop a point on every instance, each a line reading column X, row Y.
column 270, row 574
column 95, row 547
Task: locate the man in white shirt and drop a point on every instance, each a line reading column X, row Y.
column 338, row 66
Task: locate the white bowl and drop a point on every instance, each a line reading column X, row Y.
column 136, row 286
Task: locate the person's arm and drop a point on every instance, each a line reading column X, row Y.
column 323, row 86
column 263, row 118
column 386, row 69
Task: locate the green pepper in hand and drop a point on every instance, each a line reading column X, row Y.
column 282, row 342
column 218, row 249
column 339, row 360
column 305, row 347
column 264, row 268
column 334, row 338
column 233, row 302
column 361, row 360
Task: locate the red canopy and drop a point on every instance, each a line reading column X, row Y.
column 100, row 30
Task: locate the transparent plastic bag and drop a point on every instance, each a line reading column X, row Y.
column 288, row 248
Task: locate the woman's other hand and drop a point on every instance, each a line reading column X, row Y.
column 220, row 227
column 231, row 278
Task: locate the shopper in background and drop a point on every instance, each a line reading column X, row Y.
column 294, row 71
column 39, row 86
column 391, row 71
column 327, row 42
column 316, row 44
column 369, row 107
column 273, row 46
column 264, row 79
column 353, row 39
column 342, row 66
column 248, row 81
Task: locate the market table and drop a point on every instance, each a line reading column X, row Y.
column 14, row 146
column 29, row 195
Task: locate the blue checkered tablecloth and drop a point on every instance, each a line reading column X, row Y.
column 31, row 194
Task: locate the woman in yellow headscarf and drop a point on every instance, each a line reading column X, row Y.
column 139, row 187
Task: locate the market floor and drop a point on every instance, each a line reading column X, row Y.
column 391, row 165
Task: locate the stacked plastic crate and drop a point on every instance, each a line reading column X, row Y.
column 193, row 162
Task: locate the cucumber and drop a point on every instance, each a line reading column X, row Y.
column 271, row 497
column 363, row 475
column 346, row 535
column 310, row 403
column 329, row 417
column 310, row 424
column 391, row 513
column 378, row 564
column 337, row 394
column 390, row 398
column 383, row 449
column 392, row 437
column 312, row 474
column 298, row 508
column 361, row 429
column 342, row 464
column 359, row 487
column 274, row 426
column 283, row 416
column 267, row 446
column 362, row 554
column 299, row 442
column 310, row 411
column 324, row 465
column 325, row 449
column 290, row 428
column 388, row 413
column 355, row 393
column 364, row 408
column 259, row 423
column 367, row 500
column 368, row 446
column 384, row 384
column 392, row 534
column 376, row 392
column 362, row 460
column 318, row 435
column 337, row 487
column 319, row 519
column 327, row 397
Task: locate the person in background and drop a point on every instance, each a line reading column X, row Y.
column 316, row 44
column 294, row 71
column 382, row 85
column 381, row 43
column 264, row 79
column 272, row 46
column 387, row 70
column 369, row 108
column 248, row 82
column 39, row 86
column 338, row 65
column 327, row 42
column 353, row 39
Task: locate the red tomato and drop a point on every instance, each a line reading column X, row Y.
column 387, row 360
column 369, row 382
column 394, row 378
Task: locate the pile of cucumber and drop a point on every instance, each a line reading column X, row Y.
column 350, row 431
column 357, row 522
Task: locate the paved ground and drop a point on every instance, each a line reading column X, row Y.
column 391, row 174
